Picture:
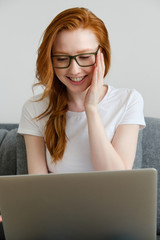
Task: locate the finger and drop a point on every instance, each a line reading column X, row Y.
column 98, row 63
column 94, row 79
column 103, row 64
column 99, row 60
column 100, row 69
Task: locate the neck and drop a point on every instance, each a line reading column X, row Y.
column 76, row 101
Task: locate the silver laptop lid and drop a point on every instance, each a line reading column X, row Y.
column 93, row 205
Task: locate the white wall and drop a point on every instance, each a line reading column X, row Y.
column 134, row 30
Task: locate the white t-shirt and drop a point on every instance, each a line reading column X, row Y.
column 119, row 106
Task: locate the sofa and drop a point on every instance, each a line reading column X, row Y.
column 13, row 153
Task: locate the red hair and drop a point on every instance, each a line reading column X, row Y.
column 69, row 19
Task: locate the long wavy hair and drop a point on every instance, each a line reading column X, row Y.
column 54, row 89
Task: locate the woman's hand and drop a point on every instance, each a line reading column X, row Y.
column 0, row 218
column 95, row 90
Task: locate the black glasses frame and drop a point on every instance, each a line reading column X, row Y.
column 74, row 57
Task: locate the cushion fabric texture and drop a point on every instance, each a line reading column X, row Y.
column 8, row 159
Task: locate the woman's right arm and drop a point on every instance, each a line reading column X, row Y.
column 36, row 154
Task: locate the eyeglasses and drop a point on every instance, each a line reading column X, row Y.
column 83, row 60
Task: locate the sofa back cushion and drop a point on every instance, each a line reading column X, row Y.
column 151, row 154
column 8, row 162
column 21, row 155
column 139, row 153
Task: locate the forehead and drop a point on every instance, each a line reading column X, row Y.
column 72, row 42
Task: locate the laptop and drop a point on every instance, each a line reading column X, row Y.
column 101, row 205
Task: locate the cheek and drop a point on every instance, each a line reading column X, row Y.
column 59, row 73
column 90, row 70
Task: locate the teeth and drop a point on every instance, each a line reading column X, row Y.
column 76, row 79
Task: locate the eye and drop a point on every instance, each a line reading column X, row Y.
column 84, row 57
column 61, row 59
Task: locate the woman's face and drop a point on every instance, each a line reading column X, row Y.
column 77, row 79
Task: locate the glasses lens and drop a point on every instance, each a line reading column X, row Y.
column 86, row 59
column 60, row 61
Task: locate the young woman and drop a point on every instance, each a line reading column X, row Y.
column 79, row 124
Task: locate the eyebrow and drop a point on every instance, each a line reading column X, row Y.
column 78, row 52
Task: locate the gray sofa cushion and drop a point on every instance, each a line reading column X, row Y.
column 151, row 153
column 8, row 126
column 8, row 162
column 138, row 159
column 21, row 155
column 3, row 133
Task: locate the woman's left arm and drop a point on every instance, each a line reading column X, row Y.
column 118, row 154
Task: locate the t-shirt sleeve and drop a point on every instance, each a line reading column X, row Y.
column 134, row 110
column 28, row 124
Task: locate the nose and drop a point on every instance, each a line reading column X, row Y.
column 74, row 68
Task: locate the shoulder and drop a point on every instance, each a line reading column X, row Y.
column 128, row 104
column 124, row 95
column 32, row 108
column 123, row 92
column 36, row 106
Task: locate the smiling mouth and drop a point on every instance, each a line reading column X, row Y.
column 77, row 79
